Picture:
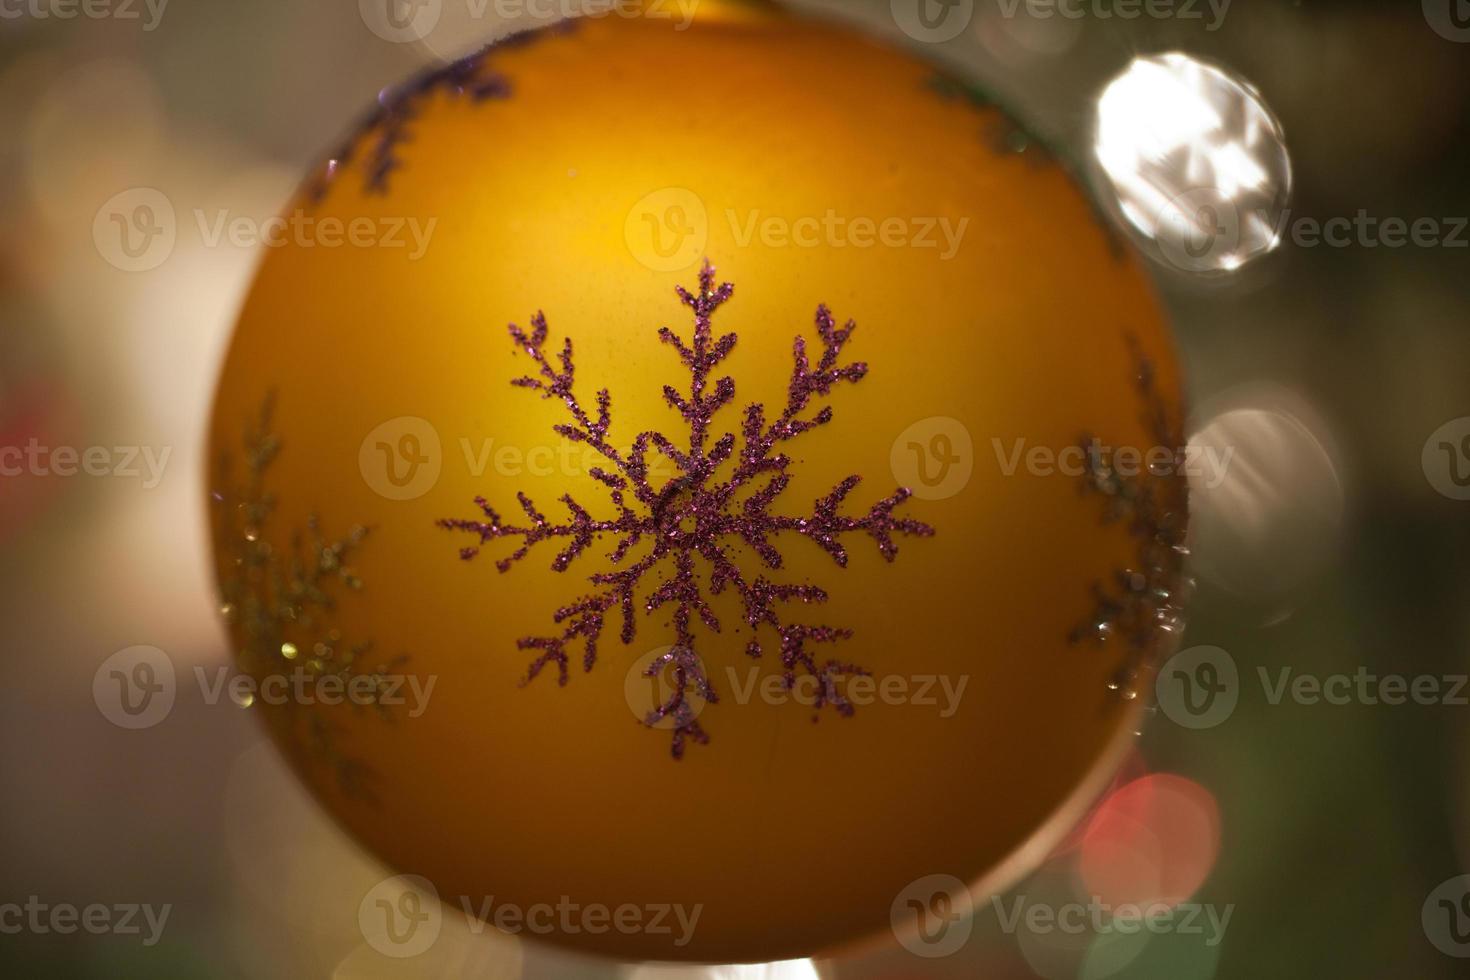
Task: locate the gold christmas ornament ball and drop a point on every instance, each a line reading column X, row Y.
column 727, row 470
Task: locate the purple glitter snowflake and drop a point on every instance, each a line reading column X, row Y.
column 1142, row 609
column 387, row 128
column 696, row 516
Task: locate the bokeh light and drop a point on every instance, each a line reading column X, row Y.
column 1267, row 496
column 1153, row 841
column 1197, row 161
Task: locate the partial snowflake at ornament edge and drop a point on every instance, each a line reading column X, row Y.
column 694, row 512
column 466, row 77
column 1143, row 607
column 277, row 606
column 1007, row 135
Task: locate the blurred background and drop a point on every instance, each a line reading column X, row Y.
column 1336, row 370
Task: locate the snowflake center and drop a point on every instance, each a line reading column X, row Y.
column 686, row 516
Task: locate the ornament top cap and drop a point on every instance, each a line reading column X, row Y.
column 714, row 11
